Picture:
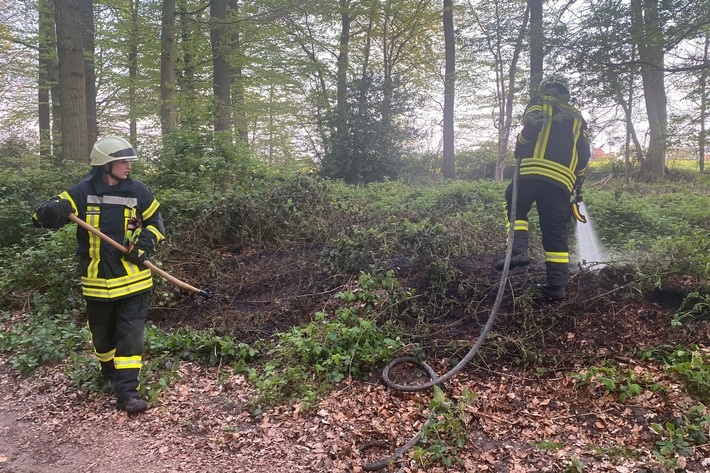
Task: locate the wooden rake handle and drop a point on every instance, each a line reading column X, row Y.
column 146, row 263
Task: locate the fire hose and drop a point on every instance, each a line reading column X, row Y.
column 146, row 263
column 434, row 379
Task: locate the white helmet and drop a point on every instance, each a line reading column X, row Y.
column 112, row 148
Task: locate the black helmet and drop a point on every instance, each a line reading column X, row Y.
column 555, row 81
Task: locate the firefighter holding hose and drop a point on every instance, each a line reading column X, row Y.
column 553, row 149
column 116, row 286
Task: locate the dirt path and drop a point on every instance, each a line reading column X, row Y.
column 200, row 424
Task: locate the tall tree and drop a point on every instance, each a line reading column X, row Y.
column 449, row 90
column 86, row 15
column 648, row 37
column 537, row 44
column 168, row 53
column 47, row 71
column 222, row 71
column 72, row 80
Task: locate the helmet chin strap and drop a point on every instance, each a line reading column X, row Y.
column 108, row 170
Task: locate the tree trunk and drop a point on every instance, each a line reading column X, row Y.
column 449, row 91
column 537, row 45
column 87, row 28
column 507, row 97
column 702, row 136
column 189, row 110
column 221, row 80
column 342, row 77
column 72, row 80
column 134, row 41
column 168, row 112
column 241, row 124
column 47, row 52
column 648, row 37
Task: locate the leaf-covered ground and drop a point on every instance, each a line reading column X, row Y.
column 530, row 411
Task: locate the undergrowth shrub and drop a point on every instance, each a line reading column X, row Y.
column 47, row 270
column 200, row 160
column 45, row 336
column 396, row 243
column 304, row 361
column 298, row 208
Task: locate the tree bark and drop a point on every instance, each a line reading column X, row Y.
column 221, row 80
column 133, row 72
column 72, row 80
column 86, row 13
column 342, row 77
column 241, row 123
column 537, row 45
column 168, row 112
column 648, row 37
column 507, row 97
column 449, row 91
column 47, row 61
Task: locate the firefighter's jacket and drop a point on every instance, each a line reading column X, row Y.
column 554, row 142
column 105, row 274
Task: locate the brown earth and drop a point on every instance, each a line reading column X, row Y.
column 529, row 413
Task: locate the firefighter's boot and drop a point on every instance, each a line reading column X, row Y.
column 126, row 388
column 108, row 371
column 557, row 279
column 131, row 403
column 519, row 256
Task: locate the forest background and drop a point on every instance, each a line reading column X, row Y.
column 334, row 171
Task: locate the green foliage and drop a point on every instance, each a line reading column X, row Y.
column 694, row 306
column 304, row 361
column 613, row 380
column 691, row 363
column 44, row 337
column 46, row 269
column 189, row 344
column 680, row 434
column 298, row 207
column 664, row 230
column 479, row 163
column 200, row 161
column 20, row 192
column 447, row 434
column 372, row 145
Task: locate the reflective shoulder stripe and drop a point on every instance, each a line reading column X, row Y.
column 152, row 208
column 65, row 195
column 159, row 236
column 112, row 200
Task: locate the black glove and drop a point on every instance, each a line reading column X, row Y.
column 137, row 256
column 142, row 250
column 53, row 213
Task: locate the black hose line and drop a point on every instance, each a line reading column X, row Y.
column 434, row 379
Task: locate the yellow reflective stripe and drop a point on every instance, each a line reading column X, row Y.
column 521, row 225
column 544, row 135
column 105, row 357
column 577, row 128
column 154, row 230
column 128, row 362
column 92, row 218
column 548, row 168
column 117, row 287
column 152, row 208
column 65, row 195
column 522, row 140
column 556, row 257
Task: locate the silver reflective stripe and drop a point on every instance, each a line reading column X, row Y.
column 113, row 200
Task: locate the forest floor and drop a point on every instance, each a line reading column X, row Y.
column 534, row 416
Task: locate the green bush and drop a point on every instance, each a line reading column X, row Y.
column 306, row 360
